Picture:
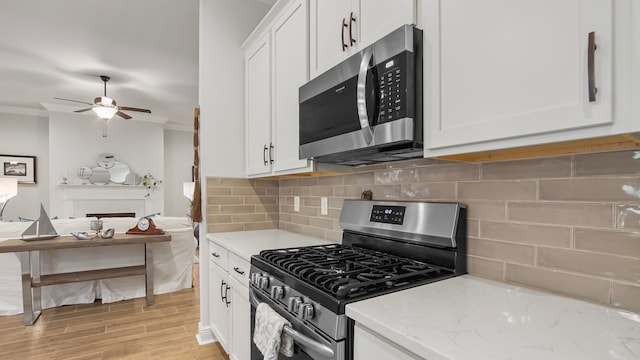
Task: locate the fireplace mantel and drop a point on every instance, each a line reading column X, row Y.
column 79, row 200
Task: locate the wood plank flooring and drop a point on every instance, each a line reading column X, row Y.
column 123, row 330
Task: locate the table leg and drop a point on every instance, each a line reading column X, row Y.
column 148, row 276
column 31, row 298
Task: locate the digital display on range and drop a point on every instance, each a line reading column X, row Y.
column 388, row 214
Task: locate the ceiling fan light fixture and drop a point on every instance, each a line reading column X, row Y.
column 105, row 112
column 107, row 101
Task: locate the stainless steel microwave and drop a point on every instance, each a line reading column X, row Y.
column 367, row 109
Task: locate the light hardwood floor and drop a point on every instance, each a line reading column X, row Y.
column 123, row 330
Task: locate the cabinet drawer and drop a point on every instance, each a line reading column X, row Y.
column 218, row 255
column 239, row 269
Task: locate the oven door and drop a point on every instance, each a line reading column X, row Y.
column 309, row 344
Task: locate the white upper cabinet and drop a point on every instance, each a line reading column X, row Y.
column 500, row 70
column 258, row 106
column 276, row 65
column 338, row 28
column 290, row 71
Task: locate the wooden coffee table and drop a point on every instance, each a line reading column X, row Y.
column 28, row 252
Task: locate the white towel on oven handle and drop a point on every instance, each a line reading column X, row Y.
column 268, row 334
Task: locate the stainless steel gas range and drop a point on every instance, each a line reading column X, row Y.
column 386, row 247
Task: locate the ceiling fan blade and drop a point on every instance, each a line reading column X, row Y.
column 123, row 115
column 81, row 102
column 134, row 109
column 83, row 110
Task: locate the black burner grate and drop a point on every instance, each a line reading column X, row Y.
column 348, row 272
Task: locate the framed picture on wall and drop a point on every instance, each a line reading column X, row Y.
column 20, row 167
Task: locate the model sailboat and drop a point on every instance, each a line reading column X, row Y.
column 41, row 229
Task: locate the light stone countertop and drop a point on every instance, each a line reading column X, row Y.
column 247, row 243
column 468, row 318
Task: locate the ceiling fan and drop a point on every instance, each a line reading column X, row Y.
column 105, row 106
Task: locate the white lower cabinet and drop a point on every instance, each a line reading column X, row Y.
column 369, row 345
column 230, row 310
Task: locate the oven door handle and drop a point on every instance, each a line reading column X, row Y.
column 304, row 340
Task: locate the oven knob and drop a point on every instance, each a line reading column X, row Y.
column 277, row 292
column 294, row 303
column 263, row 282
column 306, row 311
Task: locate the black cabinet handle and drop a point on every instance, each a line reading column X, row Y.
column 344, row 25
column 271, row 153
column 351, row 21
column 236, row 269
column 226, row 297
column 264, row 155
column 591, row 49
column 216, row 255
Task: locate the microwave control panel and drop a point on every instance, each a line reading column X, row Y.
column 395, row 86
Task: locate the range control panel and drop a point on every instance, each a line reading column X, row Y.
column 388, row 214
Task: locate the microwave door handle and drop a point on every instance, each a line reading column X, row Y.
column 361, row 95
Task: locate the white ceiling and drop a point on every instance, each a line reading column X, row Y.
column 58, row 48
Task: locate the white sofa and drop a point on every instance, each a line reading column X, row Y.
column 172, row 263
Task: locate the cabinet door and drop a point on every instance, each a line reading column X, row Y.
column 497, row 69
column 368, row 345
column 327, row 33
column 218, row 297
column 241, row 320
column 258, row 107
column 380, row 17
column 290, row 48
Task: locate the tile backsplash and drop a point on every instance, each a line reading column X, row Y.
column 566, row 224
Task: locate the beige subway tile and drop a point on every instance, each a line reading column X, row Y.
column 272, row 191
column 365, row 178
column 429, row 191
column 236, row 182
column 628, row 216
column 551, row 167
column 217, row 219
column 301, row 191
column 350, row 191
column 286, row 208
column 288, row 183
column 285, row 191
column 237, row 209
column 498, row 190
column 590, row 263
column 395, row 176
column 226, row 200
column 308, row 211
column 585, row 287
column 299, row 219
column 315, row 232
column 334, row 214
column 253, row 200
column 608, row 241
column 250, row 191
column 260, row 226
column 322, row 223
column 473, row 228
column 385, row 192
column 216, row 228
column 626, row 296
column 218, row 191
column 561, row 213
column 312, row 201
column 608, row 163
column 249, row 218
column 499, row 250
column 330, row 180
column 266, row 208
column 296, row 228
column 285, row 217
column 449, row 172
column 307, row 181
column 486, row 209
column 336, row 203
column 212, row 181
column 591, row 189
column 266, row 183
column 212, row 209
column 321, row 191
column 526, row 233
column 486, row 268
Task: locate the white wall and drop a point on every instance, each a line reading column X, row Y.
column 178, row 159
column 76, row 140
column 27, row 135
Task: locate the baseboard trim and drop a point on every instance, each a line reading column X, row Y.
column 205, row 335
